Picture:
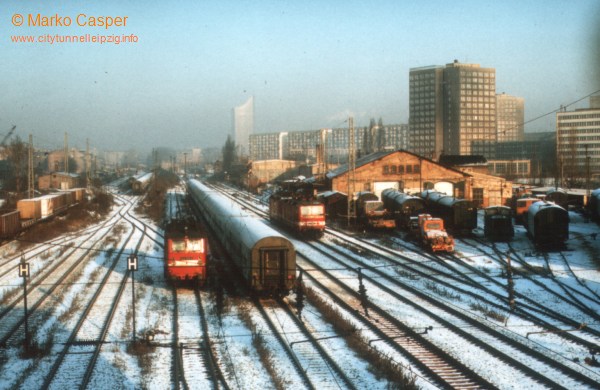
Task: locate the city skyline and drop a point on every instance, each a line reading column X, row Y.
column 308, row 66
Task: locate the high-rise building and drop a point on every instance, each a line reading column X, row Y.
column 450, row 107
column 426, row 111
column 243, row 125
column 267, row 146
column 577, row 144
column 510, row 117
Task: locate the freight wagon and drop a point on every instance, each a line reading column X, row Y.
column 547, row 225
column 402, row 206
column 459, row 215
column 10, row 224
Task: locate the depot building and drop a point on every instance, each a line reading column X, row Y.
column 411, row 173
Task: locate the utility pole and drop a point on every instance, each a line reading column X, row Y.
column 351, row 168
column 94, row 166
column 30, row 176
column 87, row 163
column 66, row 154
column 185, row 164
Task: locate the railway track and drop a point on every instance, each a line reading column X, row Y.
column 194, row 363
column 86, row 339
column 317, row 368
column 43, row 286
column 34, row 255
column 531, row 308
column 576, row 296
column 571, row 293
column 527, row 308
column 498, row 344
column 435, row 365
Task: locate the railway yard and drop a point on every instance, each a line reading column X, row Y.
column 368, row 309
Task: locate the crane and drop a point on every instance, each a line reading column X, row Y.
column 7, row 136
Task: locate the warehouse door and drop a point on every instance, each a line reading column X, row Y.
column 379, row 186
column 444, row 187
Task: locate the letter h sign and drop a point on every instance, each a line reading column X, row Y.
column 24, row 270
column 132, row 263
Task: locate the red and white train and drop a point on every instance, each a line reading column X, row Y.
column 186, row 252
column 295, row 207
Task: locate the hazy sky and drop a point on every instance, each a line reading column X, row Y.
column 309, row 64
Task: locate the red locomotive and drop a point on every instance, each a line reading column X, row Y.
column 186, row 252
column 295, row 206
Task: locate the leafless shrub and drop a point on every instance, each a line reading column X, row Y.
column 406, row 274
column 532, row 270
column 8, row 295
column 258, row 342
column 379, row 364
column 488, row 312
column 35, row 350
column 74, row 308
column 442, row 291
column 153, row 205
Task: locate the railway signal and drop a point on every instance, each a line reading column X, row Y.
column 299, row 295
column 132, row 264
column 24, row 273
column 362, row 290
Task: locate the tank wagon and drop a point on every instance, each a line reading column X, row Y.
column 547, row 224
column 371, row 212
column 265, row 258
column 498, row 224
column 558, row 196
column 459, row 215
column 402, row 206
column 186, row 252
column 295, row 207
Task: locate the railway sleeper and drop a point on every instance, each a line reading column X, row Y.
column 86, row 342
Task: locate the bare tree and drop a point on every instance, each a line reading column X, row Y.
column 18, row 155
column 229, row 154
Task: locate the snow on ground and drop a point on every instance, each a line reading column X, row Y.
column 118, row 368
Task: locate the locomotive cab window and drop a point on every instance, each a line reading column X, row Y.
column 311, row 210
column 195, row 245
column 187, row 245
column 178, row 246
